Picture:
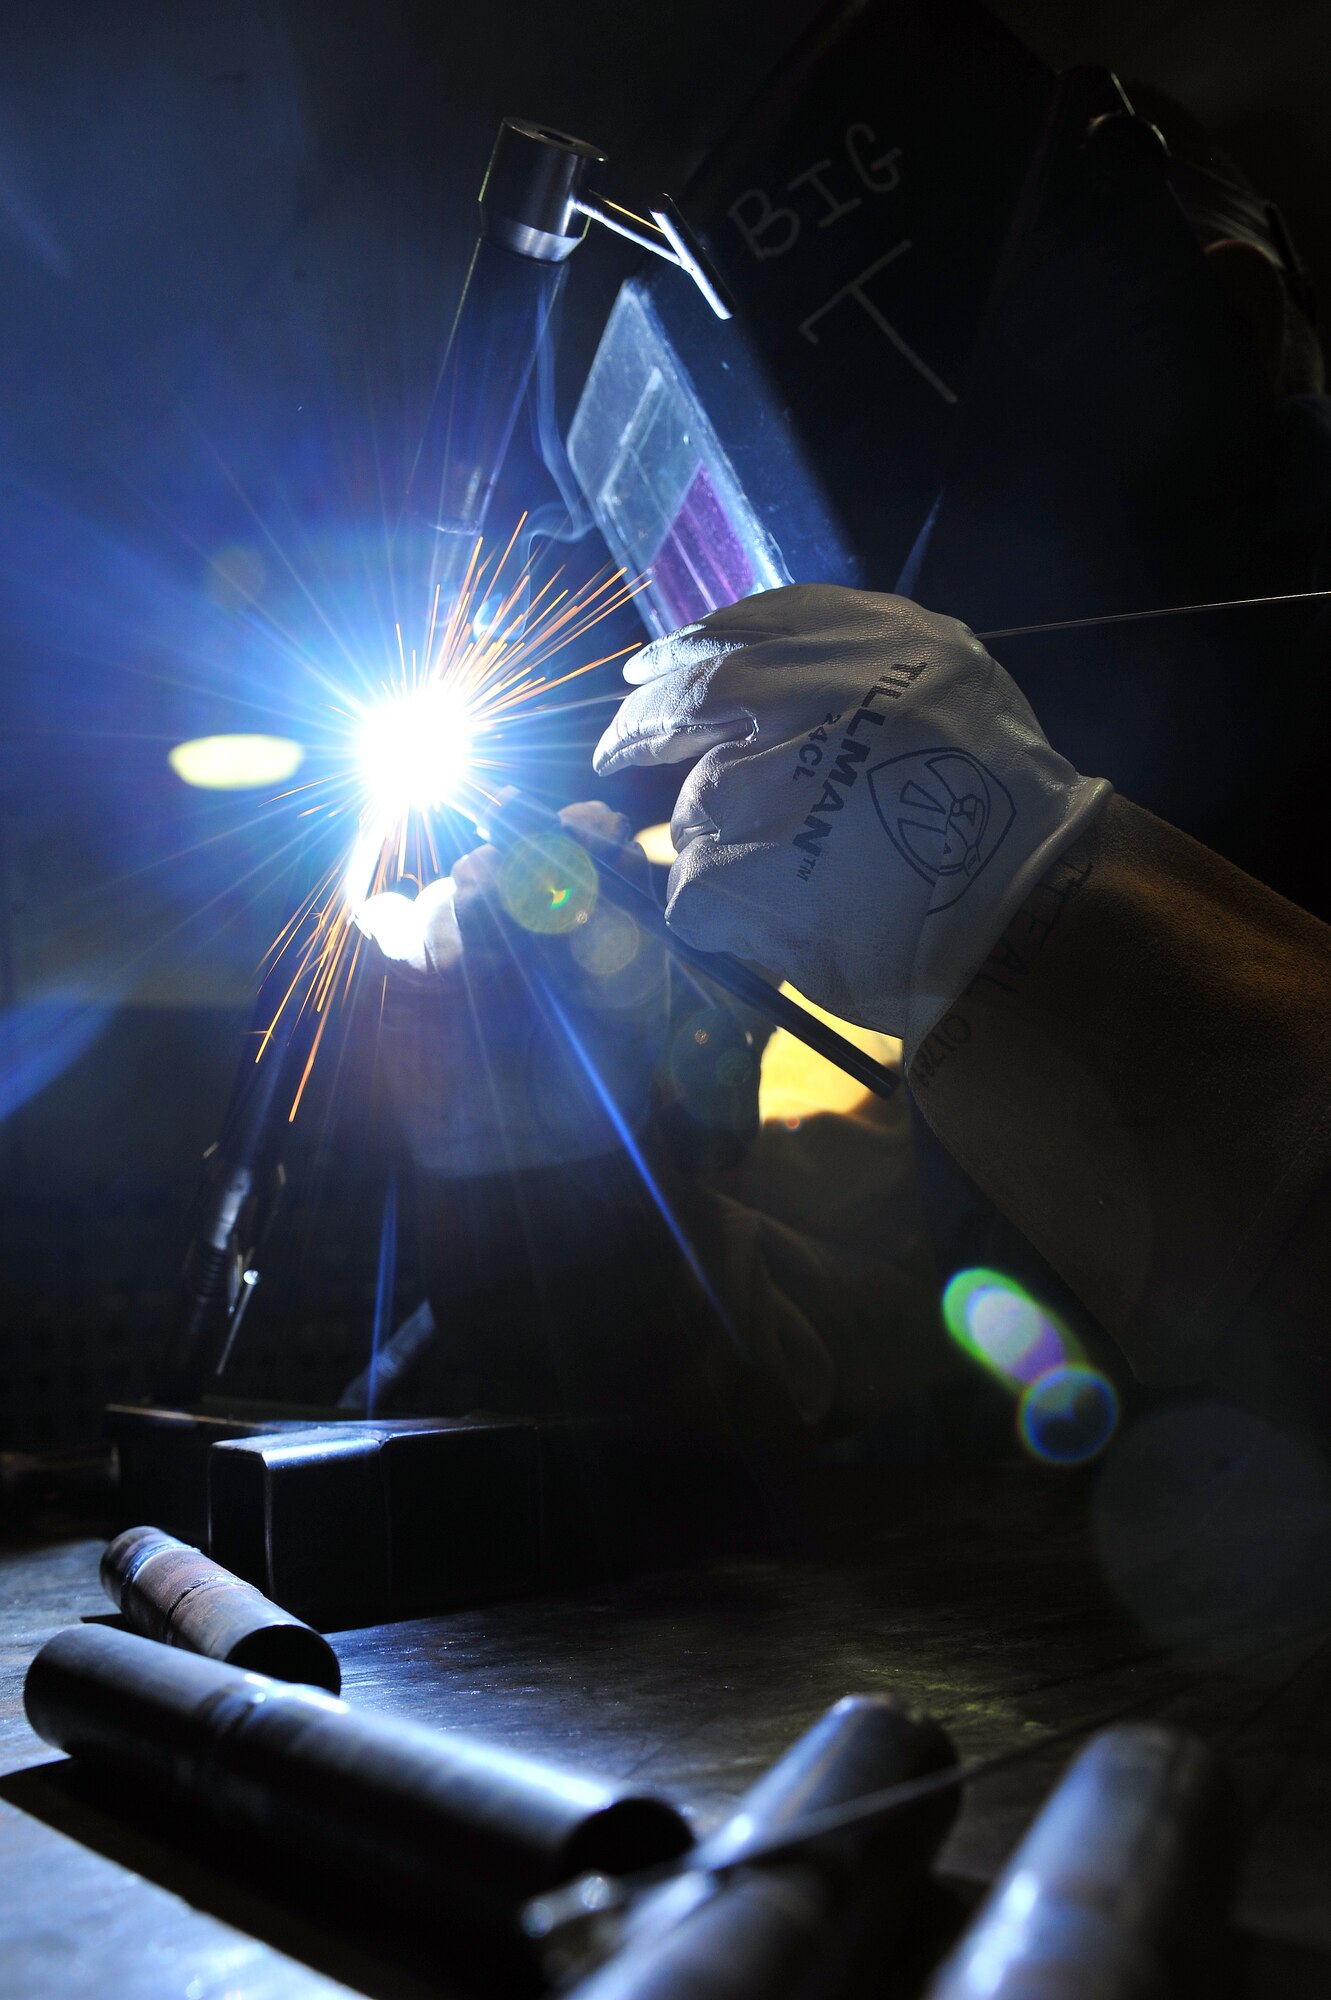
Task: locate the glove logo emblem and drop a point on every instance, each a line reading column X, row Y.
column 945, row 814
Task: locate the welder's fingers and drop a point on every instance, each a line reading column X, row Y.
column 676, row 718
column 479, row 911
column 436, row 914
column 413, row 942
column 768, row 614
column 776, row 684
column 776, row 666
column 388, row 921
column 720, row 900
column 726, row 795
column 691, row 646
column 477, row 872
column 606, row 834
column 595, row 824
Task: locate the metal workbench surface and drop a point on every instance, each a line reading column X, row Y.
column 978, row 1592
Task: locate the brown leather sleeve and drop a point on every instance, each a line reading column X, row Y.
column 1138, row 1077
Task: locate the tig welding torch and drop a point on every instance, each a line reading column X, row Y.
column 517, row 819
column 540, row 194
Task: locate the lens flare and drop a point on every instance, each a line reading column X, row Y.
column 1002, row 1327
column 548, row 884
column 235, row 763
column 1068, row 1415
column 1067, row 1410
column 713, row 1067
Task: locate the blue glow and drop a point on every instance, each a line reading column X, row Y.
column 1069, row 1415
column 486, row 616
column 38, row 1042
column 385, row 1284
column 624, row 1133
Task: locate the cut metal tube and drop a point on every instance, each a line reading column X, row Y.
column 518, row 819
column 1120, row 1889
column 420, row 1817
column 174, row 1593
column 809, row 1924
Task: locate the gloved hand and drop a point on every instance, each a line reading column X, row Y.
column 872, row 801
column 485, row 1077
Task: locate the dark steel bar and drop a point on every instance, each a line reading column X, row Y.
column 1120, row 1889
column 518, row 819
column 395, row 1811
column 808, row 1925
column 174, row 1593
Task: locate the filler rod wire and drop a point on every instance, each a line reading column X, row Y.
column 518, row 818
column 1163, row 611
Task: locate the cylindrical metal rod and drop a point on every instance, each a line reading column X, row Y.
column 861, row 1745
column 518, row 819
column 174, row 1593
column 805, row 1925
column 396, row 1811
column 1120, row 1889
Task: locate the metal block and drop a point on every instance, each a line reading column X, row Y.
column 162, row 1456
column 358, row 1522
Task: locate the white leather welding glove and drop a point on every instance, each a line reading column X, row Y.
column 485, row 1075
column 873, row 798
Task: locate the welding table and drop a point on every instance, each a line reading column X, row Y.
column 972, row 1590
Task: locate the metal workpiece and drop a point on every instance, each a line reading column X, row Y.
column 174, row 1593
column 864, row 1743
column 810, row 1923
column 1121, row 1888
column 434, row 1823
column 353, row 1522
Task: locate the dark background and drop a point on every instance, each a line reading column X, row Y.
column 231, row 236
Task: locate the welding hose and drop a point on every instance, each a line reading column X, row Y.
column 519, row 819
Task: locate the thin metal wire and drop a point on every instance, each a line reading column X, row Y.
column 863, row 1813
column 1163, row 611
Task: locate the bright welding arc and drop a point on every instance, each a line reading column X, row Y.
column 431, row 740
